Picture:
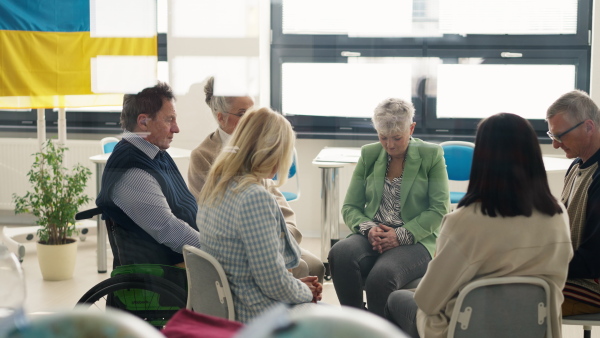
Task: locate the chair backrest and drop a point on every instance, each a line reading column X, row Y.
column 459, row 157
column 502, row 307
column 108, row 144
column 293, row 181
column 208, row 288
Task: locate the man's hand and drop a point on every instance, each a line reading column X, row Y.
column 384, row 238
column 315, row 287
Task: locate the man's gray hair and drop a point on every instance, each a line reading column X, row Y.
column 577, row 105
column 393, row 116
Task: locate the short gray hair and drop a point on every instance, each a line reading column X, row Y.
column 393, row 116
column 577, row 105
column 216, row 103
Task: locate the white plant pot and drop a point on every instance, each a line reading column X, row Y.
column 57, row 262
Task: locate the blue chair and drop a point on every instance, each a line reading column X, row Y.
column 108, row 144
column 292, row 196
column 459, row 157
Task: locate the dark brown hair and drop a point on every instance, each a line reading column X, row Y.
column 508, row 175
column 149, row 101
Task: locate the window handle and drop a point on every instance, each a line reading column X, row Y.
column 511, row 55
column 350, row 54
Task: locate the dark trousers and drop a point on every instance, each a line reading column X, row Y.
column 129, row 247
column 354, row 264
column 402, row 310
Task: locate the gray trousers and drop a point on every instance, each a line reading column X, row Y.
column 353, row 264
column 401, row 309
column 310, row 265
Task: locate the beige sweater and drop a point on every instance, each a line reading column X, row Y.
column 472, row 246
column 202, row 159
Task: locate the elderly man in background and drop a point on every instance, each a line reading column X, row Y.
column 573, row 123
column 227, row 111
column 142, row 190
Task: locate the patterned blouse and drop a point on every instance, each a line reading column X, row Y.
column 389, row 211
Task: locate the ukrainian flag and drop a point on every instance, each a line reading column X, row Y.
column 47, row 52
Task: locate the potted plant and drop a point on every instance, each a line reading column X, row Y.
column 55, row 199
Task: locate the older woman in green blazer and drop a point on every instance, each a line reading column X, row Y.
column 394, row 206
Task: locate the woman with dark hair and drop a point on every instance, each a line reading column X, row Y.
column 508, row 224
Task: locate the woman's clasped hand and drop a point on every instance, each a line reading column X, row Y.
column 315, row 287
column 383, row 238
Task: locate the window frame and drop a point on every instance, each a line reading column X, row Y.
column 535, row 49
column 582, row 37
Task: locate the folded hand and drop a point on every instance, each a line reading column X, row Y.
column 384, row 238
column 315, row 287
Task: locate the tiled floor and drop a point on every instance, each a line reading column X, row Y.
column 45, row 296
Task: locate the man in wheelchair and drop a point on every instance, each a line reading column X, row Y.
column 150, row 213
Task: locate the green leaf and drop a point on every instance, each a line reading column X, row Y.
column 56, row 196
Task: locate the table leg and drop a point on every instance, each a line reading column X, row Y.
column 101, row 230
column 330, row 220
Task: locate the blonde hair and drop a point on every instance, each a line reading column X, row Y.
column 262, row 143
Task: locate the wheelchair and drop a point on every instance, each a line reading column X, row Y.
column 152, row 292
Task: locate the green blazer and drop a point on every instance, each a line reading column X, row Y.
column 424, row 196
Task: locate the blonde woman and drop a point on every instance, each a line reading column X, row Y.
column 227, row 111
column 241, row 224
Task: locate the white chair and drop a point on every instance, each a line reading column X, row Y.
column 502, row 307
column 587, row 321
column 459, row 157
column 293, row 181
column 108, row 144
column 208, row 288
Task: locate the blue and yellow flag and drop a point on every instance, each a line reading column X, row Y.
column 46, row 53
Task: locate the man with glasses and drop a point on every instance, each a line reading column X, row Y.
column 574, row 126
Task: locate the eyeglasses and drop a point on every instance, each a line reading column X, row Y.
column 238, row 114
column 558, row 137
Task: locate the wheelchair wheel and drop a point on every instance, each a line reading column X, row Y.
column 152, row 298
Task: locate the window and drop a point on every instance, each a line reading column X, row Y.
column 457, row 60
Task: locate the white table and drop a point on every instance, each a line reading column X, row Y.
column 100, row 161
column 331, row 159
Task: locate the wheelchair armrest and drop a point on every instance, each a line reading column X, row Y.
column 87, row 213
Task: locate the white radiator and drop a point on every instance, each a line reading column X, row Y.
column 16, row 159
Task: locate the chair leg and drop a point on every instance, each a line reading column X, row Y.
column 587, row 331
